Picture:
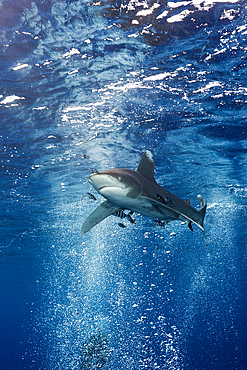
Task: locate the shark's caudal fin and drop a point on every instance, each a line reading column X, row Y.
column 146, row 165
column 202, row 214
column 100, row 213
column 203, row 209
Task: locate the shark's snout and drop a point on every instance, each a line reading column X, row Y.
column 101, row 181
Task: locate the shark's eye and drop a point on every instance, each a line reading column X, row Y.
column 120, row 178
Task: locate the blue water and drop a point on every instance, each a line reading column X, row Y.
column 93, row 85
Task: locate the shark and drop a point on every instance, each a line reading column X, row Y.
column 137, row 191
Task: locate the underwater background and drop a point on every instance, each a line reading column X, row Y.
column 92, row 85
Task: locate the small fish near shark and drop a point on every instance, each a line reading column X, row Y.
column 138, row 191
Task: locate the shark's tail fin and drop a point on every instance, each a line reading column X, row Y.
column 202, row 215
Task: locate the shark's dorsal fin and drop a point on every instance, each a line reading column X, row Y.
column 146, row 165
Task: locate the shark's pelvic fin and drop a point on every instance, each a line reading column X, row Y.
column 190, row 226
column 146, row 165
column 160, row 206
column 100, row 213
column 198, row 221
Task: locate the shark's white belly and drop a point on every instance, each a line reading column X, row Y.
column 139, row 204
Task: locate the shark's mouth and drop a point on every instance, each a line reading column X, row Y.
column 109, row 187
column 105, row 187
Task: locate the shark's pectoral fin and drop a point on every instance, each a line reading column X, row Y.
column 100, row 213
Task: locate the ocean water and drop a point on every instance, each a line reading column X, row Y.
column 92, row 85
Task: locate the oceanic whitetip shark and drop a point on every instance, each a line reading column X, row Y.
column 138, row 191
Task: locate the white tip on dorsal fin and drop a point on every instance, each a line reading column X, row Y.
column 146, row 165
